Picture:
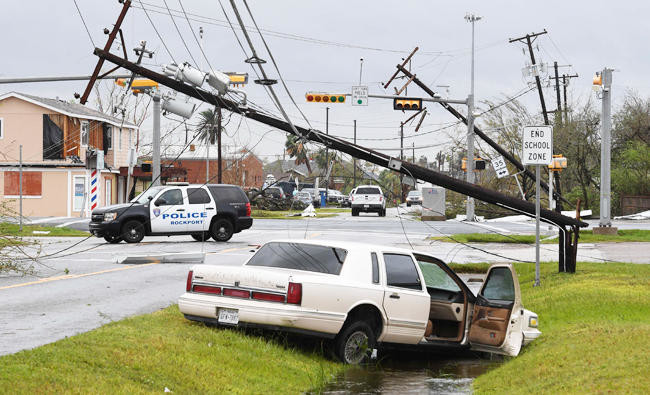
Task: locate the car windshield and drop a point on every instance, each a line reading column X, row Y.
column 145, row 196
column 414, row 193
column 367, row 191
column 300, row 256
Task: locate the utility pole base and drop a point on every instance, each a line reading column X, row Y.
column 606, row 230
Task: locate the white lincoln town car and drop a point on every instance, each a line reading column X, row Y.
column 362, row 296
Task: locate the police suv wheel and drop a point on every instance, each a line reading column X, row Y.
column 203, row 236
column 133, row 231
column 222, row 229
column 113, row 239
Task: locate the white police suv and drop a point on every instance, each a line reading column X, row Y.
column 202, row 211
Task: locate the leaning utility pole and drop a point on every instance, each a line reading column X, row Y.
column 529, row 41
column 469, row 212
column 558, row 110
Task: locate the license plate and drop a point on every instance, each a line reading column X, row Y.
column 228, row 316
column 365, row 206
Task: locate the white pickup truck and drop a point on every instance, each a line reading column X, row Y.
column 362, row 296
column 368, row 199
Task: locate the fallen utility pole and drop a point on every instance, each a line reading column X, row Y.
column 107, row 47
column 507, row 155
column 58, row 79
column 568, row 226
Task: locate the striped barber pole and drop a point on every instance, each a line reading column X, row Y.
column 93, row 189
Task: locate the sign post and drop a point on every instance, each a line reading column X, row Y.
column 537, row 150
column 360, row 95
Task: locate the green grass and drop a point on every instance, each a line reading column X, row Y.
column 12, row 229
column 595, row 328
column 320, row 213
column 586, row 236
column 147, row 353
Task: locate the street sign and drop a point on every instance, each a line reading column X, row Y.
column 537, row 145
column 500, row 167
column 360, row 95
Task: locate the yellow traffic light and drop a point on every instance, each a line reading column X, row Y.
column 237, row 79
column 139, row 84
column 325, row 98
column 407, row 104
column 598, row 79
column 558, row 163
column 479, row 164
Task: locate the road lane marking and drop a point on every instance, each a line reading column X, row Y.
column 227, row 250
column 72, row 222
column 73, row 276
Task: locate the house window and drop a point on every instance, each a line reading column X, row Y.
column 2, row 132
column 130, row 138
column 32, row 184
column 109, row 138
column 85, row 130
column 119, row 141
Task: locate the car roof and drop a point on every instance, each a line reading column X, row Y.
column 348, row 245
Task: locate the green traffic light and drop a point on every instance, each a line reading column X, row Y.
column 341, row 99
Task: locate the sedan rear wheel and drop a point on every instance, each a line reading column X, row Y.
column 133, row 231
column 355, row 343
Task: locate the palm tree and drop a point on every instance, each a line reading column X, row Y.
column 207, row 126
column 296, row 149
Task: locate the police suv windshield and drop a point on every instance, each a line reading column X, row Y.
column 144, row 196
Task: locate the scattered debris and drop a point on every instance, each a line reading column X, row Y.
column 310, row 211
column 636, row 217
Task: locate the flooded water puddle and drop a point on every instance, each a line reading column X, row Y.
column 413, row 374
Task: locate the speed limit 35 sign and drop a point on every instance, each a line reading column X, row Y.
column 537, row 145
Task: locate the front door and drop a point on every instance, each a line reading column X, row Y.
column 497, row 317
column 168, row 212
column 108, row 198
column 201, row 208
column 406, row 303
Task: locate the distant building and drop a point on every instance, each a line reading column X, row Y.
column 55, row 135
column 239, row 166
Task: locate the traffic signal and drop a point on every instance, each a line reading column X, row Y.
column 325, row 98
column 479, row 164
column 407, row 104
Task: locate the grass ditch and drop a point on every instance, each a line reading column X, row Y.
column 11, row 229
column 151, row 352
column 586, row 236
column 595, row 328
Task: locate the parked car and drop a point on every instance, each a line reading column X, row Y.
column 363, row 297
column 368, row 199
column 275, row 192
column 414, row 197
column 202, row 211
column 334, row 196
column 303, row 197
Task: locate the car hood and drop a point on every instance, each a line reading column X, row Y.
column 114, row 208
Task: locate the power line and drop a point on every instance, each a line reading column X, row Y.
column 179, row 33
column 84, row 22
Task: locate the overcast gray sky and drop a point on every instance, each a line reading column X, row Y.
column 318, row 44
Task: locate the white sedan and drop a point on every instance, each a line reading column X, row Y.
column 362, row 296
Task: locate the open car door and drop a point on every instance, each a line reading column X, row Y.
column 498, row 313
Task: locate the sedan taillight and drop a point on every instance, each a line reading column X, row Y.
column 188, row 285
column 248, row 209
column 268, row 297
column 206, row 289
column 294, row 293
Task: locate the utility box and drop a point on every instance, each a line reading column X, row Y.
column 433, row 204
